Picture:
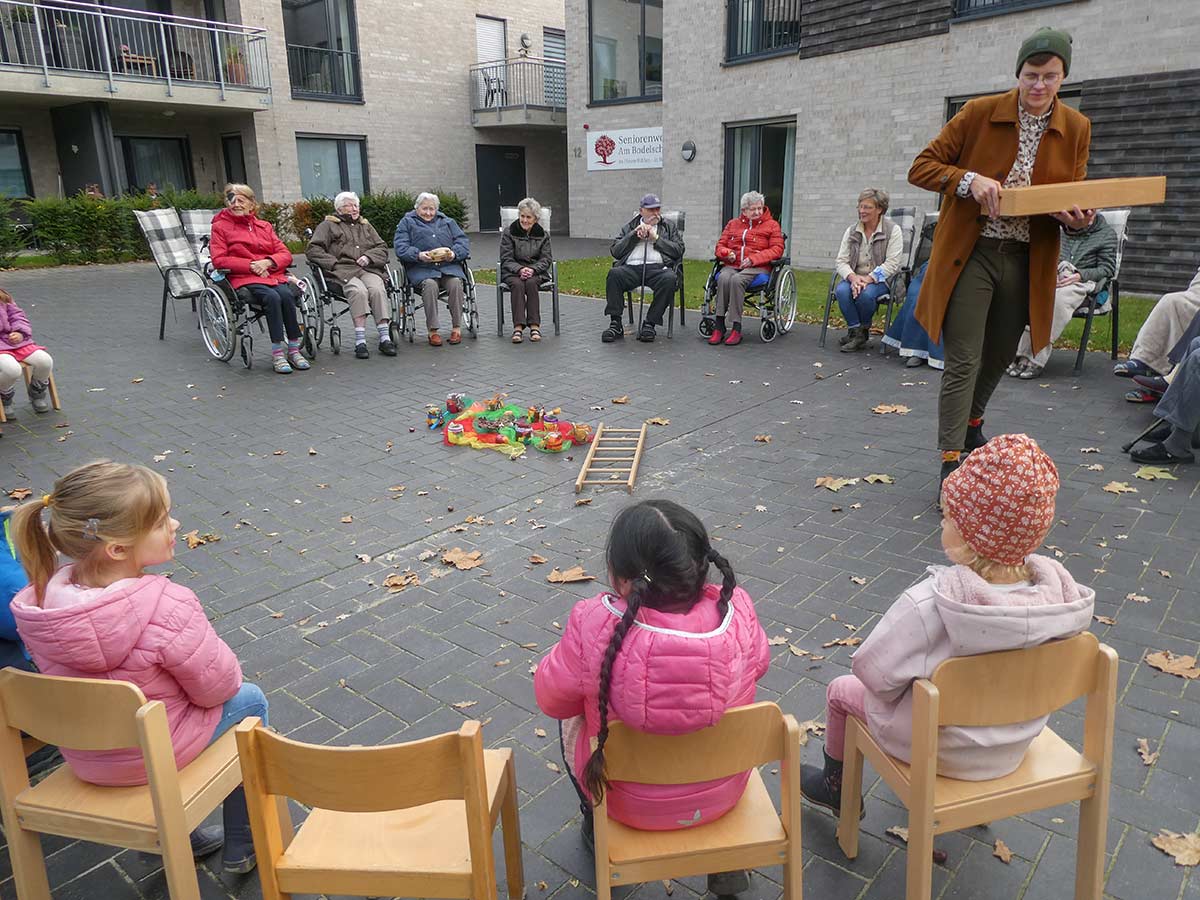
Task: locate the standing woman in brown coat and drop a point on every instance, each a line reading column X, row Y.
column 988, row 276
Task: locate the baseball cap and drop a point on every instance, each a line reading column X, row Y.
column 651, row 201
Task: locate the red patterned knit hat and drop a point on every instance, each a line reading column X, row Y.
column 1002, row 498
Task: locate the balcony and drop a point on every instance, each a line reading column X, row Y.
column 522, row 91
column 318, row 73
column 107, row 53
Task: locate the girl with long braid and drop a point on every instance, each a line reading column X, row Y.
column 665, row 652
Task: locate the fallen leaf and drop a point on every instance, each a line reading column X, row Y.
column 98, row 390
column 305, row 620
column 1143, row 749
column 658, row 420
column 1089, row 449
column 312, row 451
column 422, row 493
column 279, row 453
column 858, row 579
column 760, row 508
column 362, row 557
column 542, row 886
column 461, row 559
column 20, row 493
column 897, row 831
column 426, row 555
column 1150, row 473
column 553, row 767
column 322, row 624
column 531, row 645
column 762, row 438
column 777, row 641
column 398, row 581
column 137, row 380
column 1001, row 851
column 856, row 506
column 1059, row 821
column 583, row 501
column 879, row 479
column 194, row 540
column 599, row 407
column 537, row 559
column 833, row 483
column 346, row 520
column 500, row 663
column 1184, row 847
column 1095, row 467
column 624, row 398
column 573, row 574
column 387, row 448
column 796, row 651
column 811, row 726
column 1105, row 620
column 1137, row 598
column 668, row 887
column 1166, row 661
column 1164, row 573
column 277, row 615
column 464, row 704
column 397, row 488
column 884, row 408
column 1119, row 487
column 512, row 521
column 844, row 642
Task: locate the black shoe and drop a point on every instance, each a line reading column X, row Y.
column 612, row 332
column 207, row 840
column 587, row 830
column 975, row 437
column 646, row 335
column 387, row 348
column 948, row 466
column 1158, row 453
column 361, row 351
column 823, row 787
column 43, row 760
column 913, row 361
column 727, row 885
column 238, row 857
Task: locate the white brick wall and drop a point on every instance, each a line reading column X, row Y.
column 861, row 116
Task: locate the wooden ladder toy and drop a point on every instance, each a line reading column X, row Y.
column 615, row 454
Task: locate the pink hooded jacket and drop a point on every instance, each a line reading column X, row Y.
column 952, row 613
column 148, row 631
column 676, row 673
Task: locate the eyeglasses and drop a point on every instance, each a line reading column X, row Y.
column 1050, row 79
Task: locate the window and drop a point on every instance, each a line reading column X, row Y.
column 761, row 158
column 322, row 49
column 759, row 28
column 329, row 165
column 554, row 51
column 626, row 50
column 14, row 165
column 1068, row 95
column 165, row 162
column 972, row 9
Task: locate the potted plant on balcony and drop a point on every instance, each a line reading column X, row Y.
column 235, row 65
column 23, row 27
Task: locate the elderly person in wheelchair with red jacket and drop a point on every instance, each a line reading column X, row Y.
column 746, row 249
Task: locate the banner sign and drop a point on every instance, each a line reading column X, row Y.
column 625, row 148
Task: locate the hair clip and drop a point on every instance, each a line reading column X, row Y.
column 91, row 529
column 647, row 578
column 46, row 498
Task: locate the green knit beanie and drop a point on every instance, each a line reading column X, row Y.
column 1047, row 40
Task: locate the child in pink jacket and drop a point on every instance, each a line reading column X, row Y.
column 103, row 616
column 17, row 347
column 667, row 653
column 997, row 507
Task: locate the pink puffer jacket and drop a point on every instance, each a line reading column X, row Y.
column 676, row 673
column 145, row 630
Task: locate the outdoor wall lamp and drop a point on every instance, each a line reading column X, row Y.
column 689, row 151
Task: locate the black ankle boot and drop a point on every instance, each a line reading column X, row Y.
column 823, row 787
column 975, row 437
column 238, row 856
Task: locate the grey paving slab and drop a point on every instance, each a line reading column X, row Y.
column 345, row 662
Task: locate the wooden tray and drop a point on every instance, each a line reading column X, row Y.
column 1102, row 193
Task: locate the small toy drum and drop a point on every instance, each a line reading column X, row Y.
column 550, row 422
column 454, row 402
column 455, row 429
column 433, row 415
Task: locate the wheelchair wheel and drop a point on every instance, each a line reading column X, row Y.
column 335, row 340
column 317, row 305
column 247, row 348
column 767, row 329
column 216, row 325
column 706, row 326
column 393, row 332
column 309, row 343
column 785, row 300
column 472, row 308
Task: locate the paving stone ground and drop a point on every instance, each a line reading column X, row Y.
column 235, row 446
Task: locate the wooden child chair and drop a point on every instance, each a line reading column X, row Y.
column 90, row 714
column 998, row 689
column 27, row 371
column 406, row 820
column 751, row 835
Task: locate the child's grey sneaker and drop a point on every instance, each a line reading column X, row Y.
column 39, row 396
column 7, row 398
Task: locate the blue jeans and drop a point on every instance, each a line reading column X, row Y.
column 248, row 701
column 1180, row 405
column 858, row 311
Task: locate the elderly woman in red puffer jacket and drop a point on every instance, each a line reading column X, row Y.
column 747, row 247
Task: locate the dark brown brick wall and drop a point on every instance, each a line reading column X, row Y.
column 835, row 26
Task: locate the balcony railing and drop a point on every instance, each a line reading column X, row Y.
column 117, row 44
column 323, row 73
column 762, row 28
column 524, row 81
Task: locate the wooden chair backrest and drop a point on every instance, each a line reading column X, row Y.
column 363, row 779
column 1016, row 685
column 746, row 737
column 76, row 713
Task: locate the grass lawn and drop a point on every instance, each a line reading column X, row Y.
column 585, row 277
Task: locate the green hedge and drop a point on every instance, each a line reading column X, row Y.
column 83, row 229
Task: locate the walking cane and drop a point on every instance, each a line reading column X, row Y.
column 641, row 295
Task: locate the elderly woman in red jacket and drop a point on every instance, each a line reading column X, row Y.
column 746, row 249
column 249, row 250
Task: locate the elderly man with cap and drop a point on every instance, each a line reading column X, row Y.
column 647, row 252
column 989, row 277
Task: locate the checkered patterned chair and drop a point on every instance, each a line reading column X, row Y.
column 197, row 227
column 909, row 220
column 180, row 267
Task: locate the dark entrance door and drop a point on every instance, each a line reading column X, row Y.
column 500, row 173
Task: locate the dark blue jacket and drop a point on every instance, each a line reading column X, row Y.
column 414, row 234
column 12, row 579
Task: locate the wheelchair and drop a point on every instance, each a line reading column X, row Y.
column 331, row 303
column 411, row 299
column 772, row 294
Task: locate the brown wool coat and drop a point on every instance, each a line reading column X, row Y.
column 983, row 138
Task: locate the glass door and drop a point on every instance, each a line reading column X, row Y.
column 761, row 157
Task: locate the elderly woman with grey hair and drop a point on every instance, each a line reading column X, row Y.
column 525, row 260
column 872, row 252
column 746, row 249
column 351, row 253
column 430, row 244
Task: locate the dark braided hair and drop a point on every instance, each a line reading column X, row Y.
column 663, row 550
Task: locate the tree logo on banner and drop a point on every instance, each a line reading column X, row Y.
column 605, row 147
